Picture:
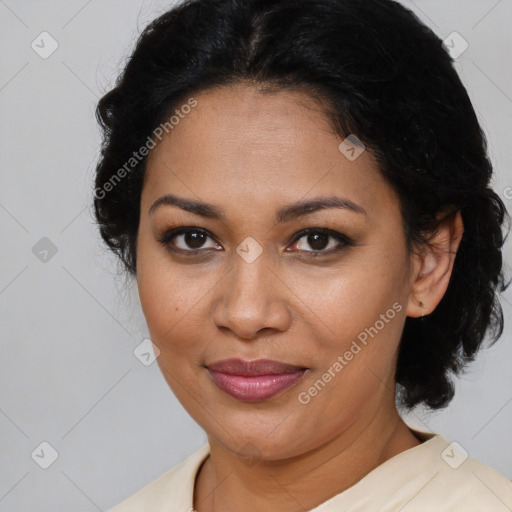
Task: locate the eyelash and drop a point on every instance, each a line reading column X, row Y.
column 344, row 240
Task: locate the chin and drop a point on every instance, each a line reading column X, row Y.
column 269, row 441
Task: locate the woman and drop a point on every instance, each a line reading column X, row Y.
column 304, row 202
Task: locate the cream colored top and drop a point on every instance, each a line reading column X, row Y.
column 435, row 476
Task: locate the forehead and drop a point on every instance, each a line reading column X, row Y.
column 239, row 144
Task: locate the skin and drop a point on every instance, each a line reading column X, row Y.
column 250, row 154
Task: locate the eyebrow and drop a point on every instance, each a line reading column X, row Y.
column 284, row 214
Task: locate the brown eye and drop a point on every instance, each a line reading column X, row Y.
column 188, row 239
column 194, row 240
column 321, row 241
column 318, row 241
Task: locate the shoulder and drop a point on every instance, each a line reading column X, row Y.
column 172, row 489
column 472, row 486
column 433, row 476
column 453, row 481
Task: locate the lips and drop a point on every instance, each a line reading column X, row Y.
column 254, row 381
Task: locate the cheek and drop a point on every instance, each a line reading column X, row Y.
column 343, row 303
column 170, row 309
column 171, row 306
column 164, row 299
column 175, row 303
column 356, row 317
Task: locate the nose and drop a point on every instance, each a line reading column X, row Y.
column 252, row 301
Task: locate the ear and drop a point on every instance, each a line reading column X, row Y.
column 432, row 267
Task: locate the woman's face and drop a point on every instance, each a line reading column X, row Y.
column 245, row 284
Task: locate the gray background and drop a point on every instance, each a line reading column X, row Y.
column 68, row 374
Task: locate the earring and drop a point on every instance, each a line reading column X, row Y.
column 423, row 306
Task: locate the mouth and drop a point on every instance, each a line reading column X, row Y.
column 254, row 381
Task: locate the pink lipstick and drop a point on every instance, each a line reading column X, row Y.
column 254, row 381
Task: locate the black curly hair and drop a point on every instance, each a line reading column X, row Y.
column 386, row 78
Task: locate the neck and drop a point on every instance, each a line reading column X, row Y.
column 225, row 483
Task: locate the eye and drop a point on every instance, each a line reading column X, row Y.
column 321, row 241
column 193, row 240
column 187, row 240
